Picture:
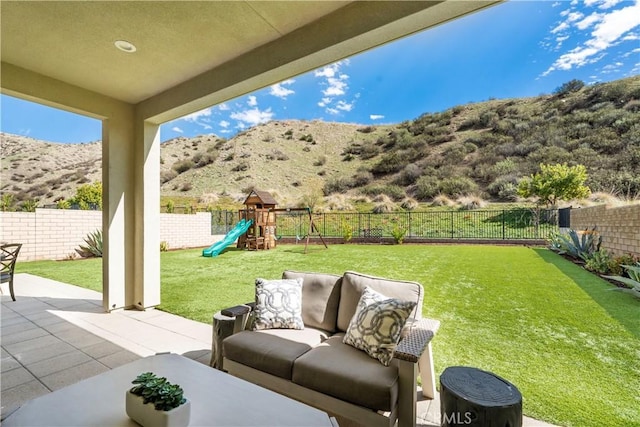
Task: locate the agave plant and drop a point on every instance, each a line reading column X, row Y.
column 93, row 247
column 578, row 245
column 633, row 281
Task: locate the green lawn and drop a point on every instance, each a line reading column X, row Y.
column 555, row 330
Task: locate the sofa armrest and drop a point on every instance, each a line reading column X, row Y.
column 240, row 313
column 411, row 347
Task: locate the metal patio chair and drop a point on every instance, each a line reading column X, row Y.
column 8, row 258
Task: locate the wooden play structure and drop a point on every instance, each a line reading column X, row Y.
column 261, row 210
column 261, row 233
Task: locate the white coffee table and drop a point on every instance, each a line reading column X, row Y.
column 217, row 399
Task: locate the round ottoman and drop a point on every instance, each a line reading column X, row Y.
column 472, row 397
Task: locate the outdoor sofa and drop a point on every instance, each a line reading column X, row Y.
column 312, row 363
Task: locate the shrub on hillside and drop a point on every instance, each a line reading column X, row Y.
column 182, row 166
column 336, row 185
column 390, row 163
column 321, row 161
column 409, row 204
column 472, row 202
column 442, row 200
column 426, row 187
column 457, row 186
column 568, row 88
column 240, row 167
column 366, row 129
column 361, row 178
column 168, row 175
column 384, row 207
column 186, row 186
column 409, row 175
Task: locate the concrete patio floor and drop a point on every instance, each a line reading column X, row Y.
column 57, row 334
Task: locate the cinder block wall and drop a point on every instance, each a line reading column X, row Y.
column 56, row 233
column 619, row 226
column 186, row 231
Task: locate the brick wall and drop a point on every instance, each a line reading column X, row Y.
column 619, row 226
column 56, row 233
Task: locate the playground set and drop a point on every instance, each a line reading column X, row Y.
column 256, row 228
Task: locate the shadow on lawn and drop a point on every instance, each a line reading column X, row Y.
column 621, row 307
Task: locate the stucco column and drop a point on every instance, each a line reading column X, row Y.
column 146, row 283
column 117, row 211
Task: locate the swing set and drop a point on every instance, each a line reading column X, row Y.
column 312, row 226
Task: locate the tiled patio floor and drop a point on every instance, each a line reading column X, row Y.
column 56, row 334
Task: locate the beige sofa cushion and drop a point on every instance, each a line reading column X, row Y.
column 341, row 371
column 320, row 298
column 272, row 350
column 353, row 285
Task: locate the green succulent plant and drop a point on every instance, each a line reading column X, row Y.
column 158, row 391
column 93, row 247
column 577, row 245
column 632, row 282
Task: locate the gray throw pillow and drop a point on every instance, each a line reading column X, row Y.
column 278, row 304
column 377, row 324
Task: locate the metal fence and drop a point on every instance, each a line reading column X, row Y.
column 223, row 221
column 478, row 224
column 512, row 224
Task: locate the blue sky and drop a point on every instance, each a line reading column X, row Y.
column 516, row 49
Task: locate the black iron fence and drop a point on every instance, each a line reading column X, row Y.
column 512, row 224
column 478, row 224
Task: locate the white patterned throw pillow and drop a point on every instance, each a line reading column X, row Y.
column 377, row 324
column 278, row 304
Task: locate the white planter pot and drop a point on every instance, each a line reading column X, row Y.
column 147, row 416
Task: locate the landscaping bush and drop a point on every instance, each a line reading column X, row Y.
column 93, row 246
column 426, row 187
column 456, row 186
column 182, row 166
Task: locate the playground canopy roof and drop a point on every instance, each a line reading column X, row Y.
column 265, row 197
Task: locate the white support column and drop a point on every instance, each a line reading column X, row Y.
column 117, row 153
column 146, row 286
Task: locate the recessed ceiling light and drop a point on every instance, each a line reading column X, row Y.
column 125, row 46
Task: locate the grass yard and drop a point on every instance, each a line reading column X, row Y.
column 556, row 331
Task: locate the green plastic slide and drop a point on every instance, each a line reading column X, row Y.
column 239, row 229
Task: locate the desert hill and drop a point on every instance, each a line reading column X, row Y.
column 481, row 148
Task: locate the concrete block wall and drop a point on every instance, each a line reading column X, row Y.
column 56, row 233
column 186, row 231
column 619, row 226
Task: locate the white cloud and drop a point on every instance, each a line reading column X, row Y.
column 195, row 117
column 252, row 117
column 223, row 107
column 344, row 106
column 376, row 116
column 556, row 4
column 252, row 101
column 335, row 86
column 609, row 29
column 177, row 129
column 607, row 4
column 279, row 90
column 334, row 80
column 561, row 39
column 589, row 21
column 333, row 111
column 561, row 27
column 574, row 16
column 224, row 124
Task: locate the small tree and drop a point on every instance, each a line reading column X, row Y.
column 569, row 87
column 556, row 182
column 88, row 195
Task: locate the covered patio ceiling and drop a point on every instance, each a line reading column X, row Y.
column 189, row 55
column 194, row 54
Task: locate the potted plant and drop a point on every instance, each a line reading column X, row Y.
column 154, row 401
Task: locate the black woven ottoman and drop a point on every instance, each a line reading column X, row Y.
column 472, row 397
